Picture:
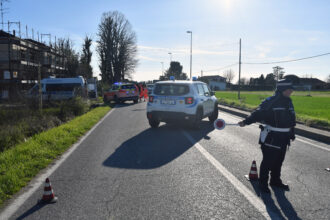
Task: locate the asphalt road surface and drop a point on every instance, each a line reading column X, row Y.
column 126, row 170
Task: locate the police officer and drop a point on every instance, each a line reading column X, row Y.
column 277, row 113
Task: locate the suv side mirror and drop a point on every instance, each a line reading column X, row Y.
column 212, row 93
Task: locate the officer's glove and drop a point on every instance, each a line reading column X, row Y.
column 292, row 134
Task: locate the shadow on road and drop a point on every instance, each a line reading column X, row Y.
column 32, row 210
column 272, row 209
column 154, row 148
column 285, row 204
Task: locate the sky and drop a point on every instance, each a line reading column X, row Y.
column 272, row 30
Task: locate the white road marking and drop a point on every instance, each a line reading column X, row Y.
column 298, row 139
column 318, row 146
column 250, row 196
column 36, row 183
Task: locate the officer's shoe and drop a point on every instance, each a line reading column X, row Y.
column 264, row 188
column 280, row 185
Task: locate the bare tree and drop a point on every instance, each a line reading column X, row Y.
column 328, row 79
column 229, row 75
column 278, row 72
column 86, row 57
column 70, row 58
column 244, row 81
column 116, row 47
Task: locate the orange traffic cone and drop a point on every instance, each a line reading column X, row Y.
column 48, row 196
column 253, row 175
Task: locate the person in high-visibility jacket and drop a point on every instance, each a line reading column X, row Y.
column 141, row 92
column 145, row 92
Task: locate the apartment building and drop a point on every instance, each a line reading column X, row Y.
column 19, row 63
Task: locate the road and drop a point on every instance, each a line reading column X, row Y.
column 126, row 170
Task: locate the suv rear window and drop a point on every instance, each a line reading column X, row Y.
column 127, row 87
column 171, row 89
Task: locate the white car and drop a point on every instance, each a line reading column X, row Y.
column 178, row 100
column 150, row 87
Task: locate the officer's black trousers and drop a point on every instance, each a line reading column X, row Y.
column 272, row 161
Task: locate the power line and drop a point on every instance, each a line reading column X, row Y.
column 287, row 61
column 234, row 64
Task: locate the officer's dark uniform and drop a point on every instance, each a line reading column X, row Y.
column 278, row 114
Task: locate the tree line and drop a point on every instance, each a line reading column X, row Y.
column 77, row 64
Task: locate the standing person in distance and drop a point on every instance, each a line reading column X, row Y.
column 141, row 92
column 145, row 92
column 278, row 115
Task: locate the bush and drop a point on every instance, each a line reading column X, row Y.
column 71, row 108
column 10, row 136
column 18, row 124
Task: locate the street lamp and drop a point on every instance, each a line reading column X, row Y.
column 190, row 32
column 162, row 68
column 170, row 57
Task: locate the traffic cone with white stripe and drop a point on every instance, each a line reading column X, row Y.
column 253, row 175
column 48, row 196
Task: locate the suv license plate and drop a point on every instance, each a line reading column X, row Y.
column 168, row 102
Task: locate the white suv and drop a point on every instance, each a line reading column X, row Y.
column 178, row 100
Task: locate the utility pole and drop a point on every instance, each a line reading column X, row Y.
column 162, row 68
column 9, row 46
column 170, row 57
column 239, row 71
column 190, row 32
column 39, row 83
column 2, row 10
column 55, row 56
column 201, row 73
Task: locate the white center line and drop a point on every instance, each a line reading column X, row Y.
column 315, row 145
column 250, row 196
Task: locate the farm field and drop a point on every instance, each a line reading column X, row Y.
column 311, row 108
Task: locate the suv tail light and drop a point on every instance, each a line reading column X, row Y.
column 189, row 100
column 151, row 99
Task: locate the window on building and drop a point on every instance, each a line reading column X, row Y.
column 4, row 94
column 6, row 74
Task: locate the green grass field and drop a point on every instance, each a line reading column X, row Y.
column 19, row 164
column 312, row 110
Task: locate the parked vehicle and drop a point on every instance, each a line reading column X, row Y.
column 178, row 100
column 59, row 88
column 121, row 92
column 150, row 87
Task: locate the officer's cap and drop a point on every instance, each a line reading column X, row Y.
column 283, row 85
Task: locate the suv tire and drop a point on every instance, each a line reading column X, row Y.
column 116, row 99
column 196, row 124
column 105, row 100
column 153, row 123
column 135, row 101
column 215, row 114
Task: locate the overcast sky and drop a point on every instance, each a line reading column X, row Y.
column 274, row 30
